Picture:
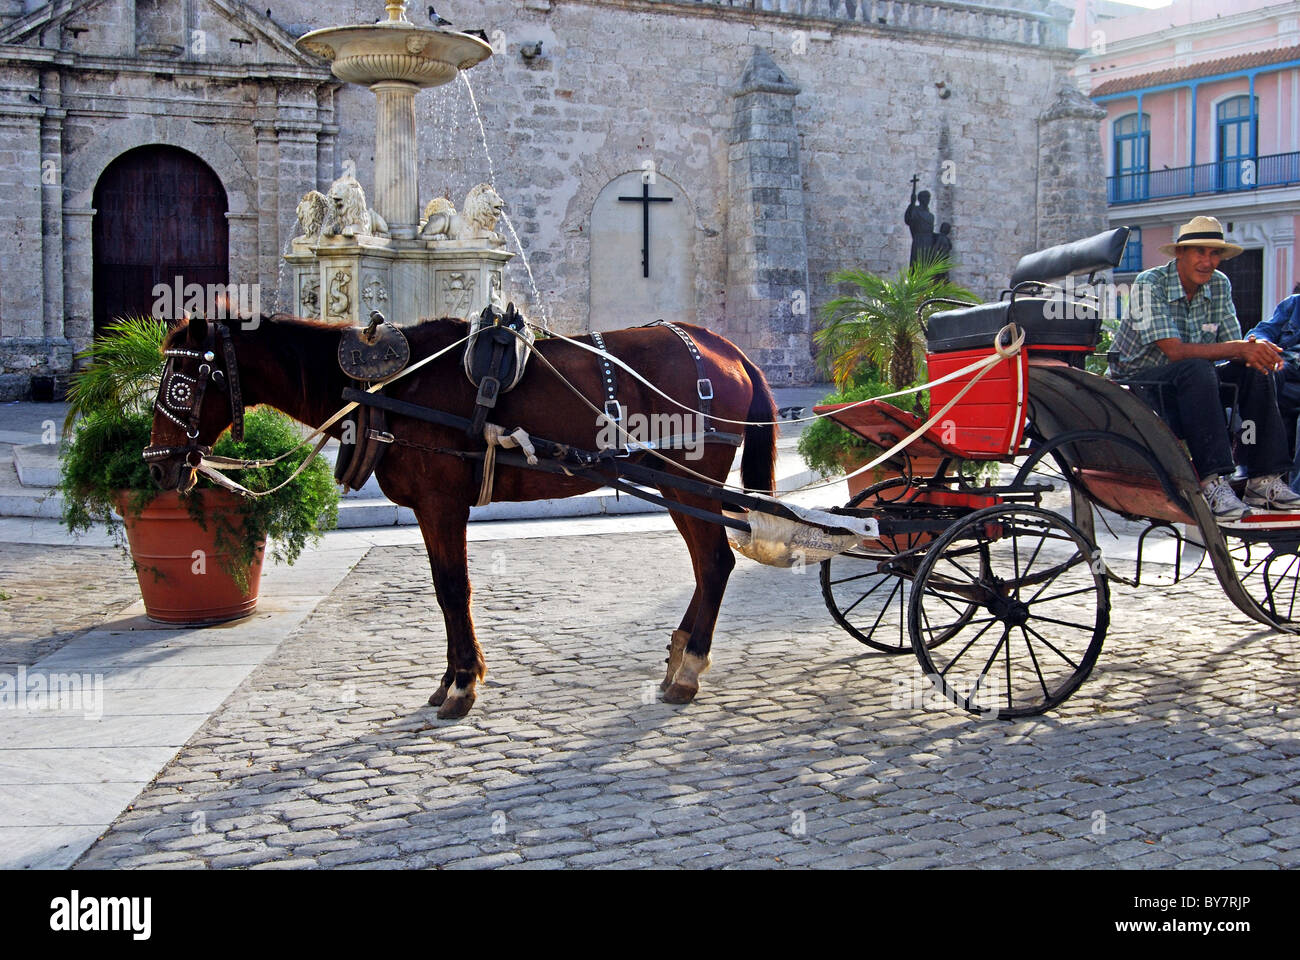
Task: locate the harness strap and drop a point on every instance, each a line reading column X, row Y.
column 609, row 381
column 703, row 385
column 232, row 378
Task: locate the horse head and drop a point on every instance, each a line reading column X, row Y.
column 187, row 418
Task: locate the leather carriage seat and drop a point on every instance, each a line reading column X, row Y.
column 1053, row 321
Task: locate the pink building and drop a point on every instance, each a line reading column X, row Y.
column 1203, row 117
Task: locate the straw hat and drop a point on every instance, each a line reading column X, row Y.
column 1202, row 232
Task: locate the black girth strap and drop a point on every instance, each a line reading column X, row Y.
column 608, row 378
column 703, row 385
column 609, row 382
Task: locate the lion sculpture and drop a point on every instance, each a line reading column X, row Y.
column 341, row 212
column 481, row 211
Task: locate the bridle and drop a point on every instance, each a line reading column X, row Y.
column 180, row 397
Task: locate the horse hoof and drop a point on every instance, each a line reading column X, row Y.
column 438, row 696
column 676, row 648
column 679, row 693
column 455, row 708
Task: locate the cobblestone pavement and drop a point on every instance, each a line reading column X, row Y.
column 49, row 594
column 1179, row 751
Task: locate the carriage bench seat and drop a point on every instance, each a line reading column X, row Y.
column 1058, row 329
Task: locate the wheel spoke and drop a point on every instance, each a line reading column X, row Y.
column 1061, row 596
column 857, row 576
column 1007, row 661
column 1043, row 538
column 1015, row 563
column 953, row 662
column 1067, row 565
column 1036, row 552
column 969, row 576
column 1066, row 623
column 979, row 678
column 1034, row 659
column 1050, row 646
column 884, row 607
column 849, row 609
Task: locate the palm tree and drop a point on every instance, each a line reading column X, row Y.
column 877, row 324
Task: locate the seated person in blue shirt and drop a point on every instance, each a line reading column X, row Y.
column 1283, row 329
column 1181, row 321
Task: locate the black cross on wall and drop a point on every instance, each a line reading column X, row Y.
column 645, row 200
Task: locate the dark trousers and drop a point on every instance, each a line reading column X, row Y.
column 1188, row 396
column 1287, row 385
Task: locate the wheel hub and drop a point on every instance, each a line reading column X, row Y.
column 1010, row 611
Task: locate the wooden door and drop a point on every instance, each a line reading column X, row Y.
column 160, row 214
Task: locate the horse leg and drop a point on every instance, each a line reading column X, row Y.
column 713, row 561
column 443, row 526
column 677, row 646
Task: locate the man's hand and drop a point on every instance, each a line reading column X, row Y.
column 1259, row 355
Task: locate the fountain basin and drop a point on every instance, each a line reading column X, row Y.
column 386, row 51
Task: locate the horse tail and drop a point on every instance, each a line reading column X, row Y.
column 758, row 458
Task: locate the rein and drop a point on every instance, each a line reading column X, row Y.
column 179, row 389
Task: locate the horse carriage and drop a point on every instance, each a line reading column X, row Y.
column 1004, row 602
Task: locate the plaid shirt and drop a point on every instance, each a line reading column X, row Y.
column 1160, row 310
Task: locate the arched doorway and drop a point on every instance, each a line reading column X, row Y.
column 160, row 214
column 642, row 253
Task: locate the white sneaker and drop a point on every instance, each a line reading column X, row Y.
column 1271, row 493
column 1224, row 504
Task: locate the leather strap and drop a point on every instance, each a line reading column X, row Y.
column 232, row 378
column 703, row 385
column 609, row 381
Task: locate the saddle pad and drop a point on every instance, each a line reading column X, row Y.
column 489, row 330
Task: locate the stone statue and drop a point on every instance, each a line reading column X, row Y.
column 341, row 212
column 482, row 210
column 920, row 221
column 941, row 245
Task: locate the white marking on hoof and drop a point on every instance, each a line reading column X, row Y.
column 692, row 668
column 676, row 647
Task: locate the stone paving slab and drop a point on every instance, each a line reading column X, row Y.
column 1178, row 752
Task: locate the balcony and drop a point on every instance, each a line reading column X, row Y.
column 1229, row 176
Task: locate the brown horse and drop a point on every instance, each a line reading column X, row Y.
column 292, row 365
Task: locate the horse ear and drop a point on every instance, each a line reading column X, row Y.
column 511, row 313
column 487, row 313
column 197, row 330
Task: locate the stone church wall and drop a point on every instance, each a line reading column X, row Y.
column 944, row 91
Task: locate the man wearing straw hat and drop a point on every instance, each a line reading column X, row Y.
column 1181, row 324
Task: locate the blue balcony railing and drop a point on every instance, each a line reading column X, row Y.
column 1225, row 176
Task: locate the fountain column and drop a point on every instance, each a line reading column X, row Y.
column 342, row 274
column 396, row 193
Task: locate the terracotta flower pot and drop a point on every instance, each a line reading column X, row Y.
column 181, row 573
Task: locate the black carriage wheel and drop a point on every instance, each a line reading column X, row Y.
column 1270, row 573
column 1042, row 610
column 860, row 597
